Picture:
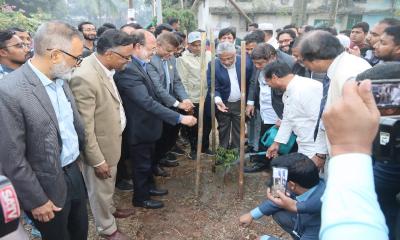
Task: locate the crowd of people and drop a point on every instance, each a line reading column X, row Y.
column 89, row 109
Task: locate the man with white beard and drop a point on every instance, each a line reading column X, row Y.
column 41, row 134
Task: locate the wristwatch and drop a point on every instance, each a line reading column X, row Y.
column 321, row 156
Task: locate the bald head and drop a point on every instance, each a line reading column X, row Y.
column 145, row 45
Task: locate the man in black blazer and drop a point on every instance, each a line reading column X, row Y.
column 145, row 116
column 41, row 135
column 227, row 93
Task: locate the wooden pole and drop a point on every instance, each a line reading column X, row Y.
column 212, row 95
column 242, row 115
column 201, row 112
column 234, row 4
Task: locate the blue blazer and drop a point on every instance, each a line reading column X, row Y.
column 222, row 81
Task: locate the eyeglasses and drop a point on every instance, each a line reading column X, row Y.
column 78, row 59
column 127, row 58
column 17, row 45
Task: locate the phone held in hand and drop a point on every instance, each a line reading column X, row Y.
column 279, row 180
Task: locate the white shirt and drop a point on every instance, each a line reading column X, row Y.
column 110, row 76
column 301, row 101
column 234, row 96
column 350, row 209
column 273, row 42
column 343, row 68
column 267, row 112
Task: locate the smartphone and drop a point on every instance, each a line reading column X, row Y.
column 279, row 180
column 387, row 95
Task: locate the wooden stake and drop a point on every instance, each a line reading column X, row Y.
column 203, row 68
column 212, row 95
column 242, row 115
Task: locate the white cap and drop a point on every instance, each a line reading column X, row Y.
column 194, row 36
column 266, row 26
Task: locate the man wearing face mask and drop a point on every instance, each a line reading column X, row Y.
column 42, row 134
column 101, row 109
column 13, row 52
column 145, row 115
column 88, row 31
column 227, row 93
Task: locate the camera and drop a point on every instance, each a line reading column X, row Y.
column 386, row 146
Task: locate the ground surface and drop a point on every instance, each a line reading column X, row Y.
column 213, row 216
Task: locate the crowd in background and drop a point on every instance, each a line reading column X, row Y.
column 89, row 109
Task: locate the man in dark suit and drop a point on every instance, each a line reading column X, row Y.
column 170, row 90
column 41, row 134
column 227, row 93
column 145, row 116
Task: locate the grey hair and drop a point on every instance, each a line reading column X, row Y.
column 226, row 47
column 55, row 35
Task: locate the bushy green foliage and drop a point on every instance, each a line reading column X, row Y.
column 11, row 18
column 185, row 16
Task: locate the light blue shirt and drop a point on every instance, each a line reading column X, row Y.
column 65, row 117
column 167, row 77
column 350, row 208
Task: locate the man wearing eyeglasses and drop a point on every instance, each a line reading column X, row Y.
column 13, row 52
column 101, row 109
column 145, row 115
column 41, row 134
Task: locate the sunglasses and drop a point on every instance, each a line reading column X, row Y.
column 78, row 59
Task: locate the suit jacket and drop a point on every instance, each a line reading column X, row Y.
column 222, row 81
column 157, row 75
column 143, row 111
column 99, row 106
column 30, row 142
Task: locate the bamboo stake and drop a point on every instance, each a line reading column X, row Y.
column 213, row 131
column 201, row 112
column 242, row 115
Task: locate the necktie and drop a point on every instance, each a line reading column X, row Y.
column 166, row 72
column 325, row 83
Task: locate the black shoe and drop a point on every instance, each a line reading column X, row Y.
column 249, row 149
column 177, row 150
column 193, row 155
column 150, row 204
column 158, row 192
column 168, row 163
column 170, row 156
column 124, row 186
column 258, row 167
column 159, row 171
column 208, row 152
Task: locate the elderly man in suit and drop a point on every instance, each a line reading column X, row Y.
column 169, row 88
column 227, row 93
column 41, row 134
column 104, row 118
column 145, row 116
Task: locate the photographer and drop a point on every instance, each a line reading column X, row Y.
column 386, row 174
column 299, row 216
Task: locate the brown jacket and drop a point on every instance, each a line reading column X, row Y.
column 98, row 105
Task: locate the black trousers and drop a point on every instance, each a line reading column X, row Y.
column 142, row 157
column 167, row 141
column 124, row 164
column 71, row 223
column 192, row 132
